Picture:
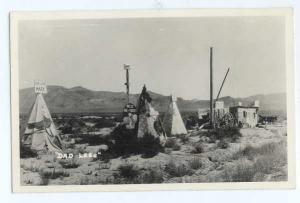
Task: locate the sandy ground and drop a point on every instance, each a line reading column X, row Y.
column 215, row 162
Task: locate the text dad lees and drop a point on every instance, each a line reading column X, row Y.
column 80, row 155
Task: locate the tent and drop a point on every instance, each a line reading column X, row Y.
column 148, row 118
column 40, row 133
column 173, row 123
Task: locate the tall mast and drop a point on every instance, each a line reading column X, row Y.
column 127, row 68
column 211, row 88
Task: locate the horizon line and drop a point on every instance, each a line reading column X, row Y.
column 153, row 92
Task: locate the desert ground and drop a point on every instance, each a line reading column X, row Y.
column 237, row 155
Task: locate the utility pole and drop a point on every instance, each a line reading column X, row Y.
column 211, row 89
column 127, row 68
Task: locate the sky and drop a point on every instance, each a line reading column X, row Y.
column 169, row 55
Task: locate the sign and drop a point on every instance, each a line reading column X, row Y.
column 40, row 87
column 129, row 108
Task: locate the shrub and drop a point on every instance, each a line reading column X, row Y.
column 90, row 139
column 198, row 148
column 45, row 181
column 26, row 152
column 177, row 170
column 128, row 171
column 195, row 163
column 149, row 146
column 229, row 132
column 242, row 172
column 124, row 141
column 176, row 147
column 183, row 138
column 53, row 174
column 246, row 152
column 191, row 122
column 170, row 142
column 222, row 144
column 264, row 164
column 67, row 129
column 271, row 157
column 72, row 125
column 104, row 123
column 69, row 163
column 253, row 163
column 273, row 150
column 152, row 176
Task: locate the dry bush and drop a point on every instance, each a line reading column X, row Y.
column 232, row 134
column 172, row 143
column 222, row 144
column 125, row 142
column 198, row 148
column 130, row 174
column 69, row 163
column 245, row 152
column 152, row 175
column 228, row 132
column 272, row 157
column 275, row 151
column 128, row 171
column 241, row 172
column 177, row 170
column 253, row 163
column 195, row 163
column 183, row 138
column 32, row 167
column 51, row 174
column 26, row 152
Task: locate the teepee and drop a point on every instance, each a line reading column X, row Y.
column 40, row 133
column 148, row 119
column 173, row 123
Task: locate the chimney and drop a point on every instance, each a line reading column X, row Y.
column 219, row 105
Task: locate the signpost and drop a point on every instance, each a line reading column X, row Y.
column 40, row 87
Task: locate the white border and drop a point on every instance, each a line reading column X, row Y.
column 15, row 17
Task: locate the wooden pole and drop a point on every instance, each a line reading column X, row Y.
column 127, row 67
column 222, row 84
column 211, row 88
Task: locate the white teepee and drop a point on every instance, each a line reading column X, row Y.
column 40, row 133
column 173, row 123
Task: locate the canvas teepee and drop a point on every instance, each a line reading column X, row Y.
column 173, row 123
column 40, row 133
column 148, row 120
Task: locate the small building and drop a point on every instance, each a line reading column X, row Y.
column 220, row 110
column 245, row 116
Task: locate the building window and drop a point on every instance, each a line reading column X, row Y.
column 254, row 115
column 245, row 114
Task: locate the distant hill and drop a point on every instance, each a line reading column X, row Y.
column 78, row 99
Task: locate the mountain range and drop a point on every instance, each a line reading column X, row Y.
column 79, row 99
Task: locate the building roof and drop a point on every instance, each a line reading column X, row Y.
column 245, row 107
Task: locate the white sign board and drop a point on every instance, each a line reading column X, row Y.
column 40, row 87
